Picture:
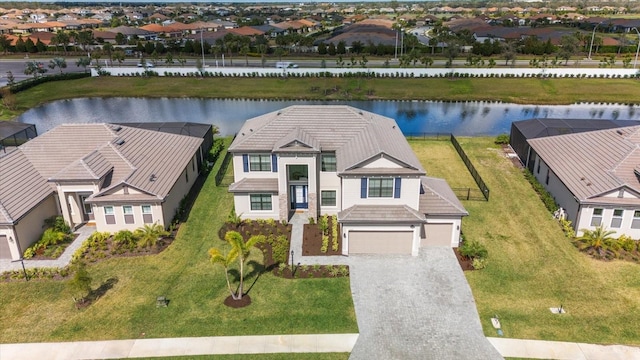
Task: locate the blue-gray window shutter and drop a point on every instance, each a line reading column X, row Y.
column 274, row 163
column 396, row 190
column 245, row 162
column 363, row 188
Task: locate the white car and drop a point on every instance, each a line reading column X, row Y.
column 148, row 64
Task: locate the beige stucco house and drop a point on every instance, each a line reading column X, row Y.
column 343, row 161
column 594, row 176
column 114, row 176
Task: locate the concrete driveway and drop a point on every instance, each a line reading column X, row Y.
column 415, row 308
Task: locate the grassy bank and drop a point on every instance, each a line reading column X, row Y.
column 37, row 311
column 522, row 91
column 532, row 266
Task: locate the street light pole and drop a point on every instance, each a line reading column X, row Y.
column 635, row 63
column 202, row 46
column 593, row 35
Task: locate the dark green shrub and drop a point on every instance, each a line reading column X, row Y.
column 473, row 250
column 279, row 248
column 502, row 139
column 545, row 196
column 126, row 239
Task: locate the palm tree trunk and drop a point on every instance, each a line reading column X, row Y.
column 240, row 288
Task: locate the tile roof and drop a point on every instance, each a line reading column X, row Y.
column 88, row 152
column 255, row 185
column 593, row 163
column 355, row 135
column 386, row 214
column 437, row 198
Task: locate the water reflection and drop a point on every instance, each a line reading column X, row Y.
column 462, row 118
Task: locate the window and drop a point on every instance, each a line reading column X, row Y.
column 616, row 220
column 127, row 210
column 596, row 219
column 538, row 168
column 546, row 181
column 260, row 201
column 381, row 187
column 109, row 216
column 329, row 162
column 147, row 215
column 260, row 162
column 635, row 223
column 328, row 198
column 186, row 175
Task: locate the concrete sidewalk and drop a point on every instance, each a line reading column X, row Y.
column 217, row 345
column 540, row 349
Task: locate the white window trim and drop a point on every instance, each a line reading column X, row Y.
column 260, row 155
column 261, row 210
column 393, row 186
column 336, row 198
column 144, row 212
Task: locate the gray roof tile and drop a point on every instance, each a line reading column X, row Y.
column 355, row 135
column 386, row 214
column 437, row 198
column 593, row 163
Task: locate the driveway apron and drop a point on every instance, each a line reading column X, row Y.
column 415, row 308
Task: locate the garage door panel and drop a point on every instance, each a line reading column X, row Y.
column 437, row 234
column 380, row 242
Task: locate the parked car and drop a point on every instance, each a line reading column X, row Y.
column 286, row 65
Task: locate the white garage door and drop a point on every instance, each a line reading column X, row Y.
column 437, row 235
column 5, row 253
column 380, row 242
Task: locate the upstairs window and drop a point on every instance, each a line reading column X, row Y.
column 381, row 187
column 260, row 162
column 329, row 162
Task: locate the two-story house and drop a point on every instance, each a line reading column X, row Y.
column 343, row 161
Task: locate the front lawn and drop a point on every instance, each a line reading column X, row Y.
column 531, row 265
column 37, row 311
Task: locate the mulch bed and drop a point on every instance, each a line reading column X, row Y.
column 236, row 304
column 111, row 250
column 312, row 240
column 465, row 263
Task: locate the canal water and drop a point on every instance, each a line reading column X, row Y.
column 413, row 117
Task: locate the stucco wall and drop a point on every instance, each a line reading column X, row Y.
column 31, row 227
column 243, row 207
column 179, row 190
column 101, row 225
column 409, row 193
column 558, row 190
column 239, row 173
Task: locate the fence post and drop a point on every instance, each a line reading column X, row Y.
column 468, row 193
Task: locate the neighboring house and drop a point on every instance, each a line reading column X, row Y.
column 524, row 130
column 339, row 160
column 594, row 176
column 115, row 176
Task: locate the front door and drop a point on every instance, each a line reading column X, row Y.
column 87, row 211
column 299, row 197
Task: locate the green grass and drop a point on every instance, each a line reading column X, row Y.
column 38, row 311
column 532, row 266
column 301, row 356
column 521, row 91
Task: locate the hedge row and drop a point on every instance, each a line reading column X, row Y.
column 29, row 83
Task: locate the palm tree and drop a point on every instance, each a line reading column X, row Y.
column 597, row 240
column 59, row 63
column 239, row 250
column 149, row 234
column 83, row 62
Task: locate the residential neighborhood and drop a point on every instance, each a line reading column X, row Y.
column 399, row 180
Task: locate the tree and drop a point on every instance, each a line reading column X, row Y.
column 357, row 47
column 108, row 50
column 5, row 43
column 568, row 47
column 30, row 46
column 121, row 39
column 331, row 50
column 59, row 63
column 451, row 51
column 169, row 59
column 597, row 240
column 239, row 250
column 62, row 38
column 84, row 38
column 20, row 46
column 34, row 68
column 118, row 56
column 148, row 235
column 80, row 283
column 322, row 49
column 341, row 48
column 40, row 46
column 509, row 53
column 83, row 62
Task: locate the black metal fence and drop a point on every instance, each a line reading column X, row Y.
column 428, row 136
column 469, row 194
column 472, row 170
column 222, row 171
